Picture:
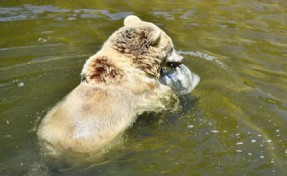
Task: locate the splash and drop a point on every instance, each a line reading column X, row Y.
column 204, row 56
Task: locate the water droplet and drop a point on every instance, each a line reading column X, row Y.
column 42, row 40
column 253, row 140
column 190, row 126
column 214, row 131
column 21, row 84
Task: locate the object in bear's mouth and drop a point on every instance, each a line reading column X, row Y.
column 180, row 79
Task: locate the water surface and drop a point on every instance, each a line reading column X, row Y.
column 233, row 123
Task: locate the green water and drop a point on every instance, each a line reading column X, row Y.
column 234, row 122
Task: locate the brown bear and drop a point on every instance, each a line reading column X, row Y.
column 121, row 81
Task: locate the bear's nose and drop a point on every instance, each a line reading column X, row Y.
column 174, row 57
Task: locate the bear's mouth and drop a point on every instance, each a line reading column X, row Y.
column 174, row 64
column 170, row 66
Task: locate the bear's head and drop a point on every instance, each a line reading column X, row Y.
column 145, row 44
column 143, row 48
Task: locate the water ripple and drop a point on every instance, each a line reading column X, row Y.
column 31, row 12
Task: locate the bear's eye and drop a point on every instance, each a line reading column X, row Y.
column 167, row 55
column 84, row 78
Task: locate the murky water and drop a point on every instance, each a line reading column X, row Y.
column 234, row 123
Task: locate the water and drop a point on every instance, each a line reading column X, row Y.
column 234, row 122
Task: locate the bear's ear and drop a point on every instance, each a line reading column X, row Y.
column 131, row 20
column 155, row 37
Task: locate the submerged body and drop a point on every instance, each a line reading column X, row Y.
column 89, row 118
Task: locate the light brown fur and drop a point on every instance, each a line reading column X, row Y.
column 120, row 82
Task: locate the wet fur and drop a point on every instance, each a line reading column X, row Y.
column 120, row 82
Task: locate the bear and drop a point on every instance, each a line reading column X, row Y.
column 124, row 79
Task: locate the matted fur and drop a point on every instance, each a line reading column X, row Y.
column 102, row 70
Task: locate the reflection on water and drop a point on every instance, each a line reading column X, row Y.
column 234, row 123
